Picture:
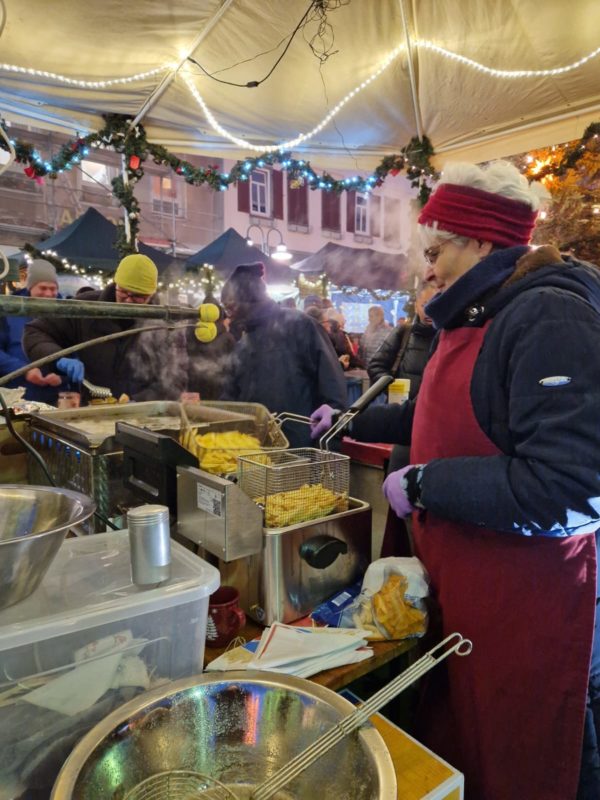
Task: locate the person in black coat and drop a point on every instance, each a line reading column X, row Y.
column 145, row 366
column 282, row 359
column 404, row 353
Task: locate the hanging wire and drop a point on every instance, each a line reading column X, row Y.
column 320, row 43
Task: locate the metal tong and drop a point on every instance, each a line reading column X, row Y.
column 96, row 391
column 346, row 417
column 454, row 643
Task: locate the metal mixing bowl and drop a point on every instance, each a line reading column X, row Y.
column 34, row 520
column 237, row 727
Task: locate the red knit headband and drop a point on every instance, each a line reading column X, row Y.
column 480, row 215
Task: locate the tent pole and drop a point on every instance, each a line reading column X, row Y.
column 411, row 73
column 125, row 214
column 170, row 77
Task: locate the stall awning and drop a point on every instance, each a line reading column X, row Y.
column 90, row 242
column 230, row 249
column 467, row 105
column 363, row 268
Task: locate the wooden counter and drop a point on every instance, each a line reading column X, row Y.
column 339, row 677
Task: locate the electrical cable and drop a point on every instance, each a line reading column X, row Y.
column 254, row 84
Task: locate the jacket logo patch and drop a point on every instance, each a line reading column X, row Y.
column 555, row 380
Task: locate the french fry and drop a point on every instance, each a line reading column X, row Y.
column 310, row 501
column 218, row 452
column 398, row 617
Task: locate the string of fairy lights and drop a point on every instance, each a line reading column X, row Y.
column 414, row 159
column 418, row 44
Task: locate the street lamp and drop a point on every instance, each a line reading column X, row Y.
column 279, row 253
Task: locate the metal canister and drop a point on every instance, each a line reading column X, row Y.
column 150, row 544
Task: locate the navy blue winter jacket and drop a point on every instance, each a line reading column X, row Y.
column 535, row 391
column 12, row 356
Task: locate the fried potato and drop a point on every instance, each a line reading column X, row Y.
column 218, row 452
column 310, row 501
column 397, row 616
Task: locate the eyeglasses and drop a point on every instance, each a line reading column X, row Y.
column 123, row 294
column 432, row 253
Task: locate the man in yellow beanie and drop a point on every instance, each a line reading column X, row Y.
column 148, row 366
column 136, row 279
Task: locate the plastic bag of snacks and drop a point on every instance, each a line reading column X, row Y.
column 391, row 602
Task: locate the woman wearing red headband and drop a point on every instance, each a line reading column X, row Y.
column 504, row 491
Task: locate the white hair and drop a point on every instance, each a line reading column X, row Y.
column 430, row 235
column 497, row 177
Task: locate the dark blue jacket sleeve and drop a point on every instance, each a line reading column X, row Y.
column 8, row 363
column 547, row 479
column 389, row 424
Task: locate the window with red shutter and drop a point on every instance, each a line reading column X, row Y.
column 331, row 203
column 277, row 192
column 243, row 191
column 351, row 211
column 297, row 205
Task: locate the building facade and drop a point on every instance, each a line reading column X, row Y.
column 174, row 217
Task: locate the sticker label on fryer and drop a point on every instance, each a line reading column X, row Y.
column 210, row 500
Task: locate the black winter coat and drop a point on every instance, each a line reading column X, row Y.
column 535, row 392
column 146, row 366
column 412, row 363
column 286, row 363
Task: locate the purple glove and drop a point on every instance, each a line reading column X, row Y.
column 395, row 489
column 321, row 420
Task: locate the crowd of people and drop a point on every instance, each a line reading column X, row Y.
column 262, row 351
column 495, row 459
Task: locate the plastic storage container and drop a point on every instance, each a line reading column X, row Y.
column 86, row 641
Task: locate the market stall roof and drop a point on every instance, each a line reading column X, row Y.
column 364, row 269
column 230, row 249
column 90, row 241
column 450, row 87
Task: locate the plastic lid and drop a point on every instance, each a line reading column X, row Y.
column 89, row 583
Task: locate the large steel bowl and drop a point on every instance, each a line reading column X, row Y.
column 237, row 727
column 34, row 520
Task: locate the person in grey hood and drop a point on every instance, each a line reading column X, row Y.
column 282, row 360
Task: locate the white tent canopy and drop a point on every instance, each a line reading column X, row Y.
column 466, row 112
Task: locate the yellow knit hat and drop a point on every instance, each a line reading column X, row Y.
column 137, row 273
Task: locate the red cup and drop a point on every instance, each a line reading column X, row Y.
column 225, row 617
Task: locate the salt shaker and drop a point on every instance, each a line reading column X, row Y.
column 149, row 544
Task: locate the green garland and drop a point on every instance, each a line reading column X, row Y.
column 572, row 154
column 414, row 159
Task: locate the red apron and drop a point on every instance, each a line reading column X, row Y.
column 510, row 715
